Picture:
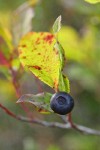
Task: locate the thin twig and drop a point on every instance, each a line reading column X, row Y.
column 86, row 130
column 45, row 123
column 52, row 124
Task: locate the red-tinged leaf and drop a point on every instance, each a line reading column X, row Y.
column 43, row 55
column 38, row 54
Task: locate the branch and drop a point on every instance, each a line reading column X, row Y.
column 86, row 130
column 80, row 128
column 37, row 121
column 9, row 112
column 52, row 124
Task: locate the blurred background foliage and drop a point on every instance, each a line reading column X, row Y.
column 80, row 37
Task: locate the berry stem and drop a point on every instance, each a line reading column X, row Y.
column 69, row 118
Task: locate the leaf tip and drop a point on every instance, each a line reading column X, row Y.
column 19, row 101
column 57, row 24
column 23, row 98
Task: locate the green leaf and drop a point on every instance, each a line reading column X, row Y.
column 6, row 35
column 63, row 80
column 64, row 83
column 61, row 54
column 41, row 101
column 38, row 54
column 5, row 41
column 57, row 25
column 93, row 1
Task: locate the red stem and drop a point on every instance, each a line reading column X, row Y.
column 8, row 111
column 18, row 92
column 70, row 121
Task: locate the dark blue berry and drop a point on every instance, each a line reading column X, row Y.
column 61, row 103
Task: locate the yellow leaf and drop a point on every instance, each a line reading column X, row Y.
column 38, row 54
